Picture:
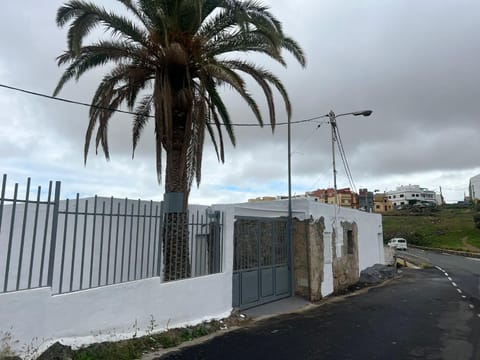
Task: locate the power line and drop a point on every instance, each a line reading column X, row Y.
column 65, row 100
column 304, row 142
column 343, row 155
column 50, row 97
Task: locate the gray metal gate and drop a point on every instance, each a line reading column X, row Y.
column 261, row 272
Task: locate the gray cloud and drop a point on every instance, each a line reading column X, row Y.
column 414, row 63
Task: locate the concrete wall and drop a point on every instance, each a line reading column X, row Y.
column 301, row 258
column 346, row 262
column 36, row 318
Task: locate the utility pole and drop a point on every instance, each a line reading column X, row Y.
column 333, row 123
column 290, row 220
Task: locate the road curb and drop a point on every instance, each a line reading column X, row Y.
column 448, row 251
column 402, row 261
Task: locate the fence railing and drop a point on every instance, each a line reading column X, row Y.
column 104, row 241
column 77, row 244
column 25, row 237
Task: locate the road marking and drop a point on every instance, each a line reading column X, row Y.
column 464, row 296
column 454, row 284
column 478, row 315
column 460, row 291
column 449, row 278
column 446, row 274
column 471, row 306
column 439, row 268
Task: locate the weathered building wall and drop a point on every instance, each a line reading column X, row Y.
column 311, row 258
column 301, row 258
column 316, row 251
column 345, row 257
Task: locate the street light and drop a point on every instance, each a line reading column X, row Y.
column 289, row 220
column 333, row 122
column 331, row 115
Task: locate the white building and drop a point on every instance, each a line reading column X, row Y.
column 474, row 188
column 412, row 194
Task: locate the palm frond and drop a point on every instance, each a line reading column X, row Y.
column 97, row 54
column 217, row 105
column 259, row 75
column 223, row 73
column 157, row 19
column 141, row 118
column 253, row 41
column 294, row 48
column 131, row 6
column 84, row 16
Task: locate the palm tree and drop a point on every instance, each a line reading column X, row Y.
column 168, row 64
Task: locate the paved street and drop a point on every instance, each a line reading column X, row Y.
column 463, row 272
column 418, row 316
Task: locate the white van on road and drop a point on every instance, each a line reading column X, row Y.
column 398, row 243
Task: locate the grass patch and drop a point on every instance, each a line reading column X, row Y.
column 443, row 228
column 135, row 348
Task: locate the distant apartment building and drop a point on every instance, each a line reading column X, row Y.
column 365, row 200
column 411, row 195
column 382, row 204
column 474, row 188
column 345, row 197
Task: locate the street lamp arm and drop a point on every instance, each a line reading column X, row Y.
column 356, row 113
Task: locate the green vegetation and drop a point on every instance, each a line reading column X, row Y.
column 6, row 342
column 135, row 348
column 449, row 228
column 476, row 220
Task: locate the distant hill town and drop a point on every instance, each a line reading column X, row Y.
column 382, row 202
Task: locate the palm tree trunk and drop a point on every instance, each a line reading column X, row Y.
column 176, row 252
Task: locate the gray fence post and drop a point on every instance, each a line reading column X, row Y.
column 160, row 242
column 2, row 197
column 53, row 241
column 215, row 267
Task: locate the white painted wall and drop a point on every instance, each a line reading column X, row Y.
column 114, row 312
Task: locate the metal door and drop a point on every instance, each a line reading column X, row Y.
column 261, row 272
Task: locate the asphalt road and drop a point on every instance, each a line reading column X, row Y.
column 421, row 315
column 462, row 272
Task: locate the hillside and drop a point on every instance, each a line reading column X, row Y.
column 449, row 228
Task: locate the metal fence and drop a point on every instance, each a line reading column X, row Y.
column 193, row 244
column 26, row 251
column 76, row 244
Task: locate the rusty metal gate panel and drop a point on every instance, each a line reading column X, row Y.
column 261, row 272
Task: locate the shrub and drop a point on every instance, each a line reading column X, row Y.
column 476, row 220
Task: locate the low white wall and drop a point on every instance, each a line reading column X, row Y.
column 36, row 318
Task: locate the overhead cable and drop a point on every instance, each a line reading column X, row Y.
column 30, row 92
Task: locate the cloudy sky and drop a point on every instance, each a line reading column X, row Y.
column 416, row 64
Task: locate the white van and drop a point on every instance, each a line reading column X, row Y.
column 398, row 243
